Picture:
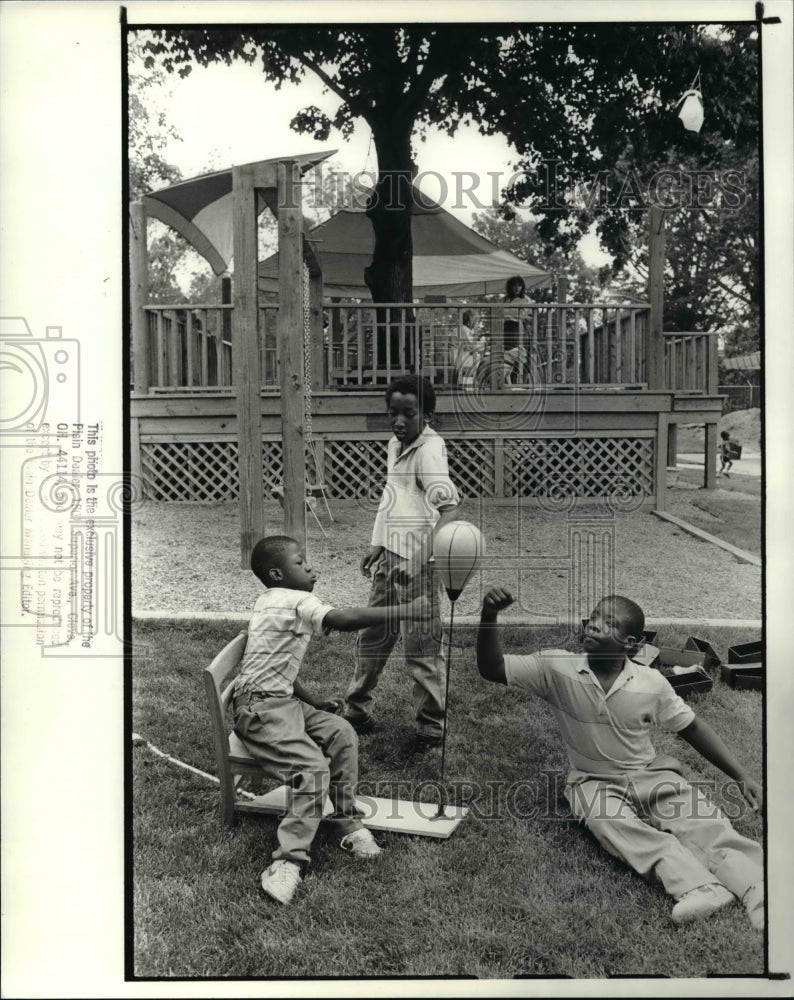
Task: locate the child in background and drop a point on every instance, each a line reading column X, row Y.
column 294, row 736
column 470, row 351
column 636, row 804
column 726, row 453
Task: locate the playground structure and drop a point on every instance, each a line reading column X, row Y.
column 235, row 398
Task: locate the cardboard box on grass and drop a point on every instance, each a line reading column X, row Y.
column 711, row 660
column 693, row 678
column 745, row 667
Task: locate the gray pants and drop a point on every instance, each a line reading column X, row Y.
column 315, row 753
column 661, row 825
column 422, row 646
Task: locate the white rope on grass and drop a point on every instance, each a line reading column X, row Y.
column 138, row 740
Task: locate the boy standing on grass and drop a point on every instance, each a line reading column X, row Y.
column 418, row 498
column 294, row 736
column 636, row 804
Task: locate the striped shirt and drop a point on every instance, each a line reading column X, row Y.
column 606, row 734
column 417, row 486
column 282, row 623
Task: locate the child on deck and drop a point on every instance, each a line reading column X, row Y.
column 293, row 736
column 636, row 804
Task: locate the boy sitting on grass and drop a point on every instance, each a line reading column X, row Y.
column 293, row 736
column 636, row 804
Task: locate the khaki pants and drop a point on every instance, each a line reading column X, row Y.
column 315, row 753
column 659, row 824
column 422, row 647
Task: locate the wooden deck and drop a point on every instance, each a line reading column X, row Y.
column 577, row 400
column 544, row 445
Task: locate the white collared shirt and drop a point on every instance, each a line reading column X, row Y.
column 417, row 486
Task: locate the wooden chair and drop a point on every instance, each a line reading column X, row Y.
column 234, row 764
column 232, row 760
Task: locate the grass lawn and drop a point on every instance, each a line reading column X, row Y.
column 732, row 512
column 518, row 890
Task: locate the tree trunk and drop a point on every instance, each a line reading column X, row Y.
column 389, row 276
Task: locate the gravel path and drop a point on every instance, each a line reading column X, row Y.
column 185, row 557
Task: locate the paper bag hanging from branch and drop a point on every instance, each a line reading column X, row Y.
column 691, row 113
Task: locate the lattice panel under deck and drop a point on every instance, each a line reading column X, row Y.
column 272, row 464
column 582, row 467
column 202, row 471
column 355, row 468
column 190, row 471
column 472, row 466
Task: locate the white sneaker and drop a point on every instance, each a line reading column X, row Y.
column 697, row 904
column 281, row 880
column 361, row 844
column 753, row 901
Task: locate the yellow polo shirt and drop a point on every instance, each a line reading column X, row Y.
column 282, row 623
column 606, row 734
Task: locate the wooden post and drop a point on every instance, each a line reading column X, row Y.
column 497, row 349
column 672, row 446
column 712, row 366
column 562, row 322
column 654, row 353
column 562, row 288
column 290, row 343
column 245, row 359
column 662, row 443
column 139, row 298
column 226, row 326
column 136, row 464
column 710, row 458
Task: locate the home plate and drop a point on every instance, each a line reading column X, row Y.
column 394, row 815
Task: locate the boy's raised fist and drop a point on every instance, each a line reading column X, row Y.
column 496, row 599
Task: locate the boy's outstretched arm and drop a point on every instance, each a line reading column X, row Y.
column 701, row 736
column 490, row 659
column 352, row 619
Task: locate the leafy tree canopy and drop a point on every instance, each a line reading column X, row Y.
column 587, row 97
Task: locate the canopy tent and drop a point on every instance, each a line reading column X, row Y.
column 449, row 257
column 201, row 208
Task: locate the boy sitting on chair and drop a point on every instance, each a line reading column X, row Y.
column 635, row 803
column 294, row 736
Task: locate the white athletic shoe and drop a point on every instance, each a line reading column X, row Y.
column 281, row 880
column 697, row 904
column 753, row 901
column 361, row 844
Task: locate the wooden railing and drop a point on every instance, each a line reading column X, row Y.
column 492, row 344
column 691, row 362
column 189, row 347
column 558, row 345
